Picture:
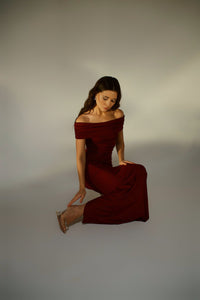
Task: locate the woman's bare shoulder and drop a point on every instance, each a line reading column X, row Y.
column 82, row 118
column 119, row 113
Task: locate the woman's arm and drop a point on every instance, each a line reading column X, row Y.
column 120, row 146
column 80, row 160
column 120, row 138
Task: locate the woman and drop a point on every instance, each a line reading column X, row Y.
column 123, row 191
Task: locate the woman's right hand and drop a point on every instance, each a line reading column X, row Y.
column 81, row 194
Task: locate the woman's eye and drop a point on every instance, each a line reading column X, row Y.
column 107, row 99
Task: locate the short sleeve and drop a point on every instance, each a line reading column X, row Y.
column 80, row 131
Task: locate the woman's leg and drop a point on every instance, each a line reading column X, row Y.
column 124, row 195
column 71, row 215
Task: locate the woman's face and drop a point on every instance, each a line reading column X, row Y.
column 106, row 99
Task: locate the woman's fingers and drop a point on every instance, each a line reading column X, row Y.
column 73, row 200
column 130, row 162
column 70, row 203
column 122, row 163
column 76, row 197
column 125, row 162
column 82, row 197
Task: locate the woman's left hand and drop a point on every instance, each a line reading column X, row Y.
column 125, row 162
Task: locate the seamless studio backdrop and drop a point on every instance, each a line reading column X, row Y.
column 52, row 53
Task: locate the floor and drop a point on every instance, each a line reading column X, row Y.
column 158, row 259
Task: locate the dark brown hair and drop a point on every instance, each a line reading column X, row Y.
column 102, row 84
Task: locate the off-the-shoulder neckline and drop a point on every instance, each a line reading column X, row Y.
column 100, row 122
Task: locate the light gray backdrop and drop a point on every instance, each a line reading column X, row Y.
column 52, row 53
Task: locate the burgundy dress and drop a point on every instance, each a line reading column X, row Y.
column 123, row 189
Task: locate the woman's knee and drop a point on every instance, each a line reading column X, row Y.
column 142, row 169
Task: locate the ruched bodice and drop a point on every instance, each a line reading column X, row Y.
column 100, row 139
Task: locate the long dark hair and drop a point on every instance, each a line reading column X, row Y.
column 102, row 84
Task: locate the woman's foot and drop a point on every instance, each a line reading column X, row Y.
column 72, row 213
column 70, row 216
column 61, row 221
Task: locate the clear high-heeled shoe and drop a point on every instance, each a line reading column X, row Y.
column 63, row 229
